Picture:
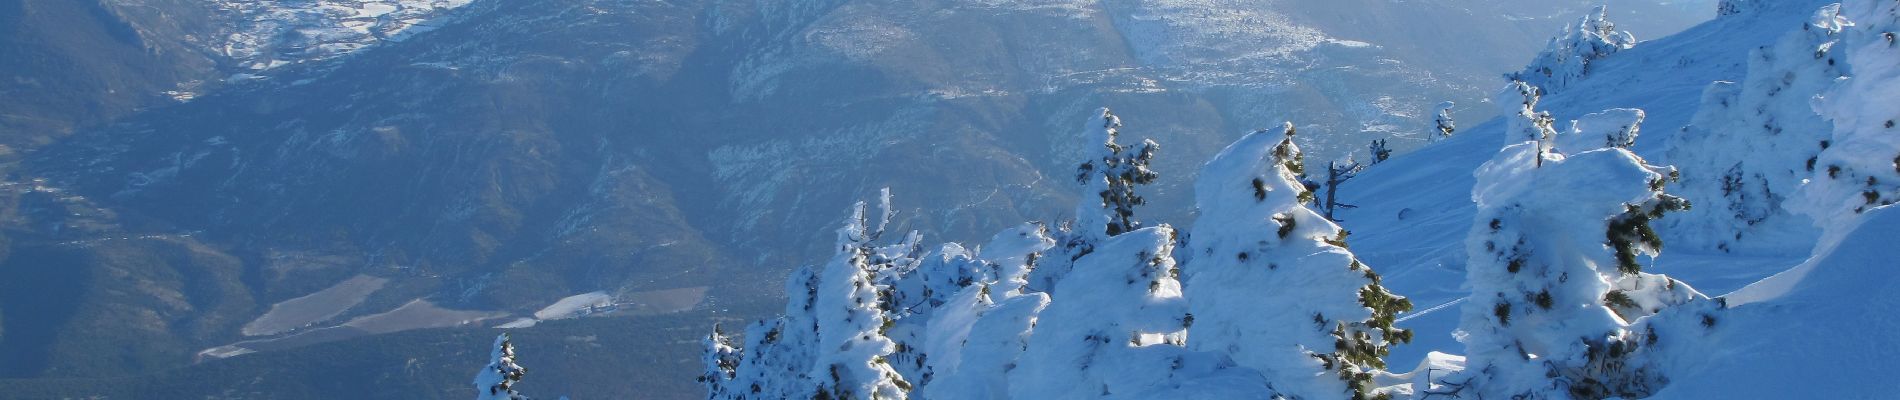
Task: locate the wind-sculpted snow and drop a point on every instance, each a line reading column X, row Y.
column 1810, row 331
column 1816, row 331
column 1859, row 165
column 1768, row 340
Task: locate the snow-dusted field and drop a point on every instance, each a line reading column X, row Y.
column 420, row 314
column 315, row 307
column 571, row 306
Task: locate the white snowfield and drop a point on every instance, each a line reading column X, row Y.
column 572, row 306
column 1532, row 245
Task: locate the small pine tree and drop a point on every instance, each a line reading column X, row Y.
column 721, row 358
column 1109, row 180
column 1569, row 56
column 1444, row 126
column 1524, row 122
column 1111, row 177
column 1379, row 151
column 497, row 380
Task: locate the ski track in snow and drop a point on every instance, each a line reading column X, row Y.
column 1428, row 311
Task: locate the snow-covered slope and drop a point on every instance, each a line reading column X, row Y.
column 1808, row 332
column 1415, row 209
column 1820, row 329
column 1543, row 229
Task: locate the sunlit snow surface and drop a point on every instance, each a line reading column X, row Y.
column 1415, row 210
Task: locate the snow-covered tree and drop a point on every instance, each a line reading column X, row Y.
column 1861, row 170
column 1754, row 142
column 721, row 359
column 830, row 342
column 852, row 361
column 1014, row 253
column 1555, row 273
column 1109, row 178
column 995, row 335
column 497, row 380
column 1443, row 125
column 975, row 340
column 1273, row 285
column 779, row 352
column 1522, row 120
column 1379, row 151
column 1567, row 58
column 936, row 278
column 1115, row 326
column 919, row 295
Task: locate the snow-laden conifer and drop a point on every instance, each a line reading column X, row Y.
column 852, row 347
column 497, row 380
column 1443, row 125
column 1109, row 180
column 721, row 359
column 1106, row 205
column 1273, row 285
column 1379, row 151
column 1523, row 122
column 1114, row 327
column 779, row 352
column 1555, row 270
column 976, row 337
column 1753, row 143
column 1567, row 58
